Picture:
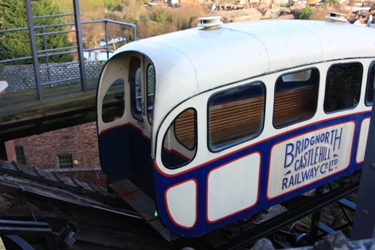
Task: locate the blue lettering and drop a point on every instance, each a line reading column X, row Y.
column 326, row 140
column 305, row 175
column 311, row 155
column 311, row 174
column 284, row 183
column 321, row 155
column 298, row 148
column 337, row 139
column 312, row 141
column 317, row 138
column 305, row 157
column 316, row 154
column 328, row 153
column 321, row 168
column 289, row 157
column 316, row 169
column 322, row 138
column 298, row 180
column 291, row 181
column 297, row 165
column 306, row 143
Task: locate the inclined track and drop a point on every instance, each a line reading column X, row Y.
column 52, row 211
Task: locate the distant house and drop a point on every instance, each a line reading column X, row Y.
column 241, row 15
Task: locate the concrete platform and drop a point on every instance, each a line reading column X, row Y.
column 22, row 114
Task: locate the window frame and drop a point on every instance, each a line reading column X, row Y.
column 120, row 110
column 371, row 73
column 215, row 148
column 326, row 93
column 312, row 82
column 150, row 104
column 133, row 71
column 65, row 161
column 192, row 149
column 20, row 154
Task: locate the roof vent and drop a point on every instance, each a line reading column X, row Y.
column 209, row 22
column 336, row 17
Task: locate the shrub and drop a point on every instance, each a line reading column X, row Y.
column 305, row 13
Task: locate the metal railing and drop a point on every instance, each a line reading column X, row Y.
column 47, row 53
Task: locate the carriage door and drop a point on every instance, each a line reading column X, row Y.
column 142, row 89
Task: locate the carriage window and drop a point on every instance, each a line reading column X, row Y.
column 296, row 97
column 113, row 105
column 370, row 85
column 235, row 115
column 180, row 141
column 343, row 86
column 135, row 83
column 150, row 91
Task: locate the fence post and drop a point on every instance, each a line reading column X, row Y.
column 34, row 51
column 77, row 22
column 46, row 53
column 106, row 36
column 134, row 31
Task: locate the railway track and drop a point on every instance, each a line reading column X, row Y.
column 49, row 211
column 78, row 215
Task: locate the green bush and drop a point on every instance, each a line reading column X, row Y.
column 305, row 13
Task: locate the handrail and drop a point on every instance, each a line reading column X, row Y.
column 48, row 52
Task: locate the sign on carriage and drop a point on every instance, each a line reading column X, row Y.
column 308, row 158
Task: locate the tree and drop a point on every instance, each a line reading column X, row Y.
column 159, row 21
column 305, row 13
column 16, row 44
column 182, row 18
column 91, row 34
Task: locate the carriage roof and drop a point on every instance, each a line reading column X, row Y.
column 195, row 60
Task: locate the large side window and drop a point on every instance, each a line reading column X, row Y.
column 370, row 85
column 235, row 115
column 113, row 102
column 296, row 97
column 135, row 83
column 343, row 86
column 180, row 140
column 150, row 91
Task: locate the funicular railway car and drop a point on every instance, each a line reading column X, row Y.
column 218, row 122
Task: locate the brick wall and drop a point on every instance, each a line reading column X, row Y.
column 9, row 148
column 79, row 141
column 41, row 151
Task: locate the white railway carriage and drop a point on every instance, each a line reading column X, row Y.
column 217, row 124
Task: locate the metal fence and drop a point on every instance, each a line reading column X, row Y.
column 46, row 52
